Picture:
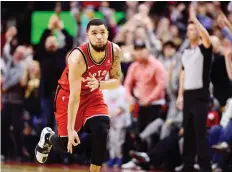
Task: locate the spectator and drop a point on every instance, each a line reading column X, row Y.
column 165, row 155
column 174, row 116
column 32, row 98
column 131, row 9
column 142, row 30
column 205, row 20
column 80, row 36
column 15, row 79
column 177, row 16
column 222, row 84
column 152, row 42
column 149, row 88
column 51, row 54
column 109, row 19
column 120, row 120
column 220, row 136
column 127, row 57
column 175, row 36
column 11, row 39
column 163, row 29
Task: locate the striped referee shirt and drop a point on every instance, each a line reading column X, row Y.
column 196, row 63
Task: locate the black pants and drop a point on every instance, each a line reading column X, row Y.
column 47, row 115
column 194, row 123
column 166, row 153
column 98, row 127
column 11, row 115
column 147, row 114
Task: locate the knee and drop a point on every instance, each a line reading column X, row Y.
column 159, row 121
column 215, row 130
column 102, row 127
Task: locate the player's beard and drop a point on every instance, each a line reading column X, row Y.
column 97, row 48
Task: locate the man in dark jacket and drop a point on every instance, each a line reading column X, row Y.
column 51, row 53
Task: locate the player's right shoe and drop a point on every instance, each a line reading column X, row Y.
column 44, row 146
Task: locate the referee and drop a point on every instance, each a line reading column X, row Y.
column 193, row 95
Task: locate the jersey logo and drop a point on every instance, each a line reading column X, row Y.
column 90, row 66
column 97, row 74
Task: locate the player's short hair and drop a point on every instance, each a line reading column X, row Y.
column 95, row 22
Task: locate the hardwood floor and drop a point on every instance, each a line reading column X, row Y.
column 32, row 167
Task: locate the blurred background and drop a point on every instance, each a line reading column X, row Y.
column 36, row 38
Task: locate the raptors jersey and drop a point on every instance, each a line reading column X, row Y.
column 91, row 103
column 98, row 70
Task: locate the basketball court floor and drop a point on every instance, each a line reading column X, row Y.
column 34, row 167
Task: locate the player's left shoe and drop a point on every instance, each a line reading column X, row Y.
column 44, row 146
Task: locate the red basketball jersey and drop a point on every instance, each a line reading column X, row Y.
column 98, row 70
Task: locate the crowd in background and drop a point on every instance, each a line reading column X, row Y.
column 29, row 75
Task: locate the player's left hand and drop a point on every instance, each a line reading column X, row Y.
column 92, row 83
column 73, row 140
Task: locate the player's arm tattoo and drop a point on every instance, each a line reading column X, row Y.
column 115, row 72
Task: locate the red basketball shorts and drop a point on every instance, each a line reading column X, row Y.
column 89, row 107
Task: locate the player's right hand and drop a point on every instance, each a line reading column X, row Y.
column 92, row 83
column 73, row 140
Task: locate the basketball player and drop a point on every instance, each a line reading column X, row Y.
column 79, row 101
